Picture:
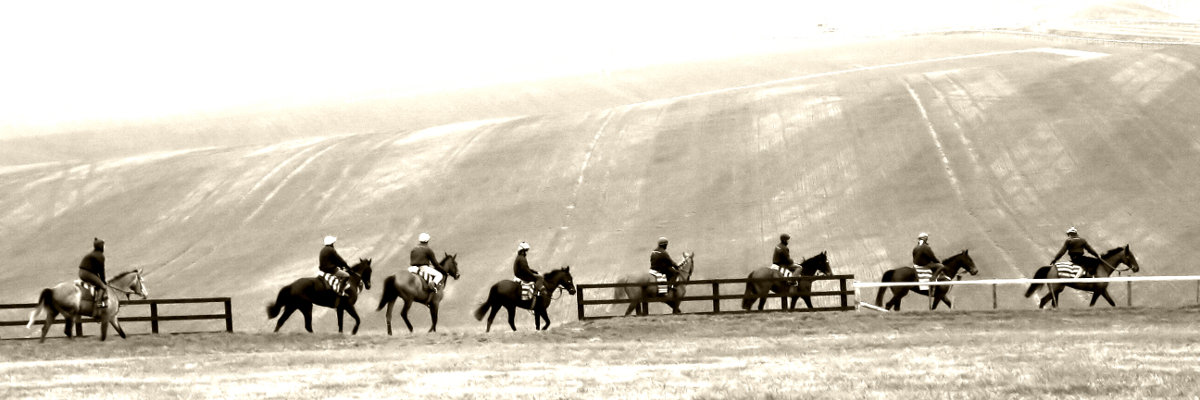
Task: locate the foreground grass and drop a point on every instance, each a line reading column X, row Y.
column 1102, row 353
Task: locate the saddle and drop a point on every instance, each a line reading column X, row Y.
column 1067, row 270
column 88, row 292
column 429, row 276
column 787, row 273
column 338, row 286
column 527, row 289
column 924, row 274
column 663, row 284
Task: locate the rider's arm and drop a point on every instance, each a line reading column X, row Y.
column 1060, row 253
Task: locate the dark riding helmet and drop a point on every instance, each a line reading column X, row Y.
column 98, row 244
column 662, row 241
column 785, row 237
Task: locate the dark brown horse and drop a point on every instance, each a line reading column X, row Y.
column 411, row 288
column 507, row 294
column 817, row 265
column 950, row 270
column 304, row 293
column 1112, row 258
column 66, row 299
column 649, row 289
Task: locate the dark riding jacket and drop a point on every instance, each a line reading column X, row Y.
column 423, row 255
column 94, row 262
column 521, row 269
column 661, row 261
column 783, row 256
column 1075, row 246
column 923, row 255
column 330, row 260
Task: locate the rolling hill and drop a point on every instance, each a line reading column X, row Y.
column 990, row 143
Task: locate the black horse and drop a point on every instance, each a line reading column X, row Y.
column 507, row 294
column 410, row 288
column 818, row 264
column 306, row 292
column 1114, row 257
column 950, row 270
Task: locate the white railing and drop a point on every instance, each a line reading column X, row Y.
column 1027, row 281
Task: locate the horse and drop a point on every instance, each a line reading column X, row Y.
column 304, row 293
column 758, row 290
column 66, row 299
column 1113, row 258
column 507, row 294
column 951, row 268
column 649, row 289
column 411, row 288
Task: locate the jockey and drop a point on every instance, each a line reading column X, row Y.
column 332, row 264
column 521, row 268
column 923, row 254
column 1074, row 247
column 423, row 256
column 661, row 262
column 91, row 270
column 783, row 256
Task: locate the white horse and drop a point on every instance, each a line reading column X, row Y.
column 67, row 299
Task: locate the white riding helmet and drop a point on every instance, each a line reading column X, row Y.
column 923, row 235
column 424, row 237
column 1072, row 230
column 330, row 239
column 523, row 246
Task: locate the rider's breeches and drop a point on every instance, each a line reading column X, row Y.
column 94, row 280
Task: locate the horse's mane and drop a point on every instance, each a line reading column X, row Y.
column 1113, row 251
column 813, row 259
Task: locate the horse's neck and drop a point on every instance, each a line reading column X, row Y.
column 809, row 270
column 1103, row 270
column 686, row 273
column 952, row 265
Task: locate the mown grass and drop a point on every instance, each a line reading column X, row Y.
column 1092, row 354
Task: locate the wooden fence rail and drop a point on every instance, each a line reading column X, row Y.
column 844, row 293
column 154, row 318
column 1129, row 280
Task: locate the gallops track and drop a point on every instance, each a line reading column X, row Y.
column 990, row 143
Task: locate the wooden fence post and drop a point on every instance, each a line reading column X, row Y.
column 229, row 315
column 153, row 317
column 716, row 292
column 845, row 303
column 994, row 305
column 1129, row 293
column 579, row 303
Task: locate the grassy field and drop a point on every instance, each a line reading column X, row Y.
column 1102, row 353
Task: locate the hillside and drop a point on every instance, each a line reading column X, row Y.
column 990, row 144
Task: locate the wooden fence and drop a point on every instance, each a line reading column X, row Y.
column 844, row 293
column 155, row 317
column 994, row 283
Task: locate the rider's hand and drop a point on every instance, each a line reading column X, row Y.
column 341, row 274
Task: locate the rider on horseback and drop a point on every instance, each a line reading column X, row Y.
column 522, row 271
column 923, row 254
column 91, row 270
column 662, row 263
column 782, row 259
column 424, row 261
column 332, row 264
column 1074, row 247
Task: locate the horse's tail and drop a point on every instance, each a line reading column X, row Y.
column 487, row 304
column 887, row 277
column 1041, row 273
column 277, row 305
column 389, row 292
column 748, row 301
column 45, row 300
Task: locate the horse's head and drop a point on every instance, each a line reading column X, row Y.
column 450, row 264
column 561, row 278
column 816, row 265
column 687, row 266
column 363, row 270
column 130, row 282
column 1126, row 257
column 959, row 261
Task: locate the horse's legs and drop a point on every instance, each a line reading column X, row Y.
column 69, row 323
column 353, row 314
column 807, row 302
column 51, row 313
column 340, row 311
column 287, row 312
column 898, row 294
column 492, row 317
column 116, row 324
column 103, row 329
column 543, row 314
column 306, row 309
column 635, row 302
column 389, row 316
column 404, row 314
column 512, row 315
column 1108, row 298
column 1095, row 296
column 433, row 312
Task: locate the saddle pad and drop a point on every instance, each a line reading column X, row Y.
column 786, row 272
column 924, row 274
column 661, row 278
column 526, row 290
column 1066, row 270
column 332, row 280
